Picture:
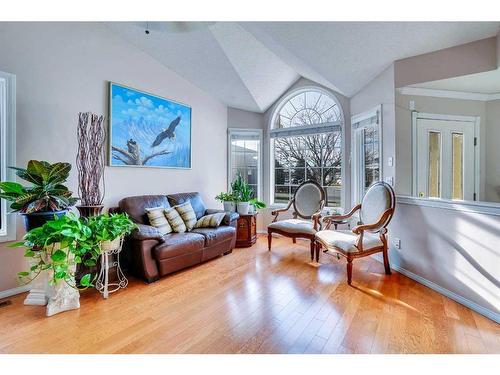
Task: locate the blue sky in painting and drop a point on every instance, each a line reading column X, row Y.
column 140, row 116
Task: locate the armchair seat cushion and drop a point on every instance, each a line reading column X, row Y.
column 293, row 226
column 345, row 240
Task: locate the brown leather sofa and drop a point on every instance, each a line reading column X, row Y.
column 150, row 255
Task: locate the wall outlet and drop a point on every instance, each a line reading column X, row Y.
column 397, row 243
column 390, row 161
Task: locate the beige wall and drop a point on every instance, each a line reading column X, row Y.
column 474, row 57
column 64, row 68
column 380, row 91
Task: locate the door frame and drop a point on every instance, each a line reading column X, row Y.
column 355, row 157
column 474, row 120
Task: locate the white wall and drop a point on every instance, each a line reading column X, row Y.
column 492, row 167
column 380, row 91
column 241, row 119
column 452, row 249
column 64, row 68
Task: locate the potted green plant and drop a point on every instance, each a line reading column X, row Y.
column 227, row 199
column 48, row 196
column 54, row 250
column 109, row 229
column 256, row 204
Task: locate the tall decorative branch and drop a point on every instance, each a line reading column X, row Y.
column 90, row 158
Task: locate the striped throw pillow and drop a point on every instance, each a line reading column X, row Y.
column 175, row 220
column 158, row 220
column 210, row 221
column 187, row 213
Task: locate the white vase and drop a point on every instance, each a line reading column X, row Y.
column 243, row 208
column 229, row 206
column 62, row 297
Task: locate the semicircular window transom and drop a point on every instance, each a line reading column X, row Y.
column 311, row 107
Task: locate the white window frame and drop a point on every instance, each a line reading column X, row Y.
column 357, row 160
column 7, row 148
column 473, row 120
column 243, row 132
column 271, row 129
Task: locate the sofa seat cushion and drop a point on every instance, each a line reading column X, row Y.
column 345, row 240
column 214, row 236
column 176, row 244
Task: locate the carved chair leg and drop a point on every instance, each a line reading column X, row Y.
column 294, row 240
column 349, row 270
column 386, row 261
column 318, row 248
column 269, row 240
column 312, row 250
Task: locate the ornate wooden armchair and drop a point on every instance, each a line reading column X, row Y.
column 375, row 211
column 308, row 201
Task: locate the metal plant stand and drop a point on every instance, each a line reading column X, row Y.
column 102, row 284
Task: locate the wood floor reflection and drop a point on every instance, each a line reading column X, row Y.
column 253, row 301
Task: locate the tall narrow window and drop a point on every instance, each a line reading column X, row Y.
column 7, row 148
column 367, row 150
column 306, row 144
column 245, row 157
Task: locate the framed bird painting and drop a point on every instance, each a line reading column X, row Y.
column 146, row 130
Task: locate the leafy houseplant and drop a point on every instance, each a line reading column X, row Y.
column 242, row 193
column 45, row 198
column 109, row 229
column 227, row 200
column 58, row 246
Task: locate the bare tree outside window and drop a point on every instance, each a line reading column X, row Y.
column 316, row 156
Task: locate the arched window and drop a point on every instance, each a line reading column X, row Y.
column 306, row 144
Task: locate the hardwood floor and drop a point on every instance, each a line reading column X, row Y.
column 253, row 301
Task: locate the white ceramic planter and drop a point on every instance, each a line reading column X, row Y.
column 243, row 208
column 61, row 296
column 229, row 206
column 110, row 245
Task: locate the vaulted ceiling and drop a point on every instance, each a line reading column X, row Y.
column 248, row 65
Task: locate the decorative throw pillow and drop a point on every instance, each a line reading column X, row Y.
column 158, row 220
column 210, row 221
column 175, row 220
column 187, row 213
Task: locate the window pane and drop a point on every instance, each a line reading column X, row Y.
column 281, row 194
column 457, row 166
column 316, row 157
column 434, row 178
column 245, row 159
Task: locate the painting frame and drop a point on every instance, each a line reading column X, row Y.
column 110, row 163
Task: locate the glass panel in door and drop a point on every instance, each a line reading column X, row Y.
column 457, row 163
column 434, row 178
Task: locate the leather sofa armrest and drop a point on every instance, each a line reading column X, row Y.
column 230, row 218
column 146, row 232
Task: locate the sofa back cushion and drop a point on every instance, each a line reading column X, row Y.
column 195, row 199
column 136, row 206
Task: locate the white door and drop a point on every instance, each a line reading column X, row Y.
column 445, row 159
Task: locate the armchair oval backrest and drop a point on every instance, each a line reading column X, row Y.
column 378, row 198
column 309, row 198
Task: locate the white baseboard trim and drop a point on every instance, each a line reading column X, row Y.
column 447, row 293
column 14, row 291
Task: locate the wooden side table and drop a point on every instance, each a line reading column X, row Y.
column 246, row 230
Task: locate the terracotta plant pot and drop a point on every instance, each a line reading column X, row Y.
column 89, row 211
